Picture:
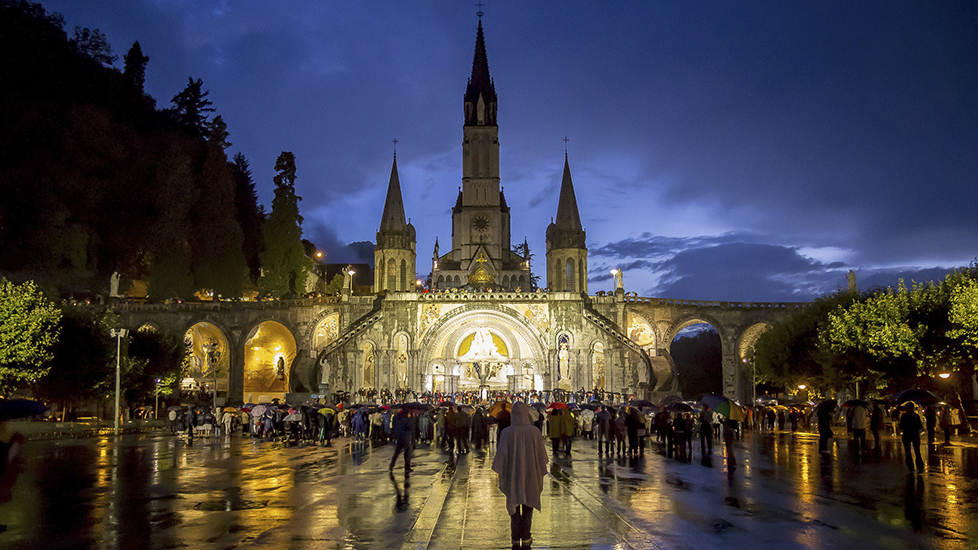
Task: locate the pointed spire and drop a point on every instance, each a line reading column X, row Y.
column 393, row 218
column 568, row 217
column 480, row 94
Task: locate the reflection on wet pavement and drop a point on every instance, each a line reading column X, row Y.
column 157, row 491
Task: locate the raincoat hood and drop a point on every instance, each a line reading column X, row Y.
column 520, row 415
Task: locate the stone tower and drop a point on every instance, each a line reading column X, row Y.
column 566, row 246
column 481, row 255
column 394, row 254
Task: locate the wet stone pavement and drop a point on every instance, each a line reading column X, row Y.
column 155, row 491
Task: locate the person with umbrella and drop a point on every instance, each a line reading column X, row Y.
column 910, row 427
column 706, row 432
column 402, row 431
column 860, row 421
column 521, row 463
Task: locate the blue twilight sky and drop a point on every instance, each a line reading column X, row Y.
column 720, row 150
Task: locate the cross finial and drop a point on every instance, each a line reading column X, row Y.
column 395, row 146
column 565, row 144
column 479, row 13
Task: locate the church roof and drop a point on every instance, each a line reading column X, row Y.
column 393, row 218
column 480, row 83
column 568, row 217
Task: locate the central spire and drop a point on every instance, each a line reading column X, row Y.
column 480, row 94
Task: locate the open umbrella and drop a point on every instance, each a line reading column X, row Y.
column 856, row 403
column 828, row 404
column 540, row 407
column 174, row 408
column 557, row 405
column 11, row 409
column 501, row 408
column 641, row 403
column 258, row 410
column 679, row 407
column 415, row 406
column 917, row 395
column 723, row 406
column 230, row 410
column 294, row 417
column 669, row 400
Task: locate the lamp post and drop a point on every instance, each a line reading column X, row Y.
column 156, row 407
column 118, row 334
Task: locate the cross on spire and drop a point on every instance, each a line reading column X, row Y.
column 565, row 144
column 479, row 13
column 395, row 146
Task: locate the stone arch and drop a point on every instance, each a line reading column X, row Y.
column 441, row 343
column 323, row 330
column 206, row 369
column 270, row 352
column 599, row 367
column 748, row 337
column 401, row 344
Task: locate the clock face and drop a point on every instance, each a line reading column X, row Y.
column 480, row 223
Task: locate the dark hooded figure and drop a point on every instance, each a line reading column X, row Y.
column 480, row 428
column 402, row 432
column 521, row 462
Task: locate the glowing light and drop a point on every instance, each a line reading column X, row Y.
column 944, row 375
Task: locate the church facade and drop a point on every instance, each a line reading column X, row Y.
column 483, row 324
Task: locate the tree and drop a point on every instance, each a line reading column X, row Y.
column 93, row 44
column 285, row 265
column 217, row 242
column 250, row 215
column 135, row 66
column 190, row 107
column 790, row 351
column 83, row 357
column 964, row 313
column 29, row 327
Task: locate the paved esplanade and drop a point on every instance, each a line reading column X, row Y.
column 155, row 491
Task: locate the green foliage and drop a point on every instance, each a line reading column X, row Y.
column 964, row 313
column 285, row 264
column 885, row 339
column 335, row 286
column 28, row 333
column 135, row 66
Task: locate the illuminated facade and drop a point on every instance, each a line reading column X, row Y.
column 480, row 327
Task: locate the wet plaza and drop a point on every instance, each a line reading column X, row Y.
column 154, row 491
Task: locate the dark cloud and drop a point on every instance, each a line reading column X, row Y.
column 719, row 151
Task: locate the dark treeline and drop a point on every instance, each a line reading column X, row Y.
column 97, row 179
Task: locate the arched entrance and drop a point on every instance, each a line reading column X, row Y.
column 482, row 350
column 269, row 352
column 205, row 369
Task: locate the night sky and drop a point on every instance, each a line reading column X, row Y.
column 720, row 150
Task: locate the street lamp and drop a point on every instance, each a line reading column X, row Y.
column 417, row 285
column 156, row 407
column 118, row 334
column 614, row 278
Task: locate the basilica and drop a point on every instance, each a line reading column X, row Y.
column 485, row 322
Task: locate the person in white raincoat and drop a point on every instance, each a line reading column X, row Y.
column 521, row 462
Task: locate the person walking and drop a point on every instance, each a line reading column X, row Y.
column 910, row 427
column 824, row 414
column 554, row 429
column 402, row 431
column 875, row 425
column 706, row 432
column 521, row 463
column 860, row 421
column 603, row 421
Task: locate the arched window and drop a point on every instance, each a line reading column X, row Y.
column 441, row 282
column 403, row 280
column 570, row 278
column 391, row 275
column 458, row 282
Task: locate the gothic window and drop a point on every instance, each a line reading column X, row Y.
column 569, row 278
column 441, row 282
column 457, row 282
column 557, row 286
column 403, row 279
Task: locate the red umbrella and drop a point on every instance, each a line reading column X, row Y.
column 557, row 405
